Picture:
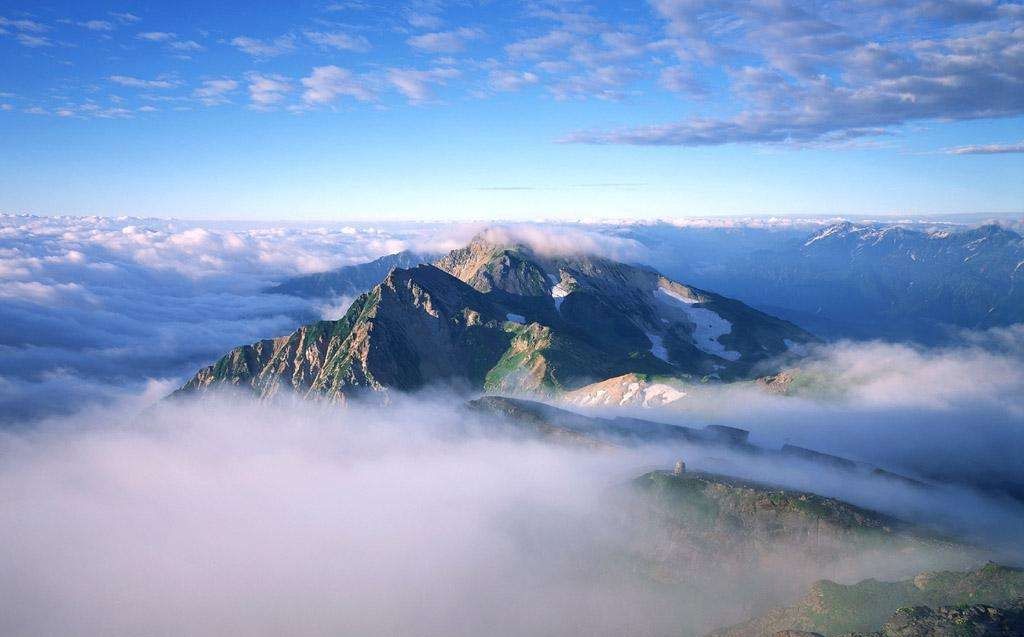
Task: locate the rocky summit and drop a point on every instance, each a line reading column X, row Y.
column 504, row 318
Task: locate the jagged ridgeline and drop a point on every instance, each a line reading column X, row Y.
column 504, row 318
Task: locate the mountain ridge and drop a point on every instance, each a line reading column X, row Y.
column 881, row 280
column 349, row 280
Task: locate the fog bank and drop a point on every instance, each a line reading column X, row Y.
column 233, row 517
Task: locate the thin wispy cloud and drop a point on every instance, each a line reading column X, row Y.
column 422, row 20
column 809, row 73
column 418, row 85
column 156, row 36
column 264, row 48
column 97, row 25
column 266, row 91
column 505, row 80
column 328, row 83
column 339, row 40
column 186, row 46
column 32, row 41
column 135, row 82
column 987, row 149
column 125, row 17
column 762, row 73
column 21, row 24
column 214, row 92
column 27, row 33
column 445, row 41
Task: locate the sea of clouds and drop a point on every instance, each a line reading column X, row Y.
column 224, row 516
column 126, row 515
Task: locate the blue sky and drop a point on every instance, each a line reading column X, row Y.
column 470, row 110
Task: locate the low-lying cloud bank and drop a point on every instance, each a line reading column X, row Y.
column 952, row 413
column 231, row 517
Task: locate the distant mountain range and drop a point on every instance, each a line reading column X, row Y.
column 870, row 280
column 502, row 318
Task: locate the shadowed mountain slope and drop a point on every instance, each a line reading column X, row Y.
column 349, row 280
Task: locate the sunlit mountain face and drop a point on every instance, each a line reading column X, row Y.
column 553, row 318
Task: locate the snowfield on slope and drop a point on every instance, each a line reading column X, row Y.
column 558, row 293
column 658, row 347
column 708, row 326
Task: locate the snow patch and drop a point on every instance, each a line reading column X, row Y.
column 658, row 347
column 631, row 391
column 661, row 394
column 516, row 318
column 827, row 233
column 677, row 296
column 708, row 327
column 558, row 292
column 597, row 398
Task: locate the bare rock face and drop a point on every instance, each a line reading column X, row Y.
column 488, row 267
column 976, row 620
column 629, row 390
column 416, row 327
column 778, row 383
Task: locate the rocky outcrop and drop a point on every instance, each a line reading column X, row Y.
column 932, row 604
column 629, row 390
column 976, row 620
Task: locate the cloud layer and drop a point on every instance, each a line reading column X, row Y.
column 831, row 72
column 232, row 517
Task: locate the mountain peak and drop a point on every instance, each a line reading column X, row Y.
column 488, row 265
column 496, row 316
column 833, row 231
